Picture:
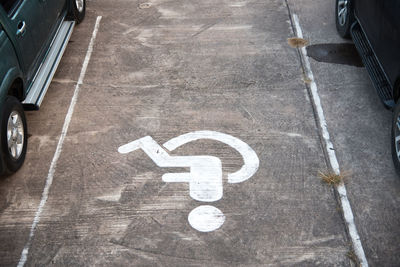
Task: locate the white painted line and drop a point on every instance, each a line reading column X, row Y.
column 347, row 212
column 50, row 175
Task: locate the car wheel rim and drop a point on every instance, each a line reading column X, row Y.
column 15, row 135
column 397, row 138
column 79, row 5
column 342, row 11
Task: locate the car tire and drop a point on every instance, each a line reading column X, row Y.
column 77, row 10
column 344, row 15
column 14, row 135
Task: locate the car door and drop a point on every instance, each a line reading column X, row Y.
column 368, row 13
column 53, row 13
column 22, row 20
column 380, row 21
column 388, row 46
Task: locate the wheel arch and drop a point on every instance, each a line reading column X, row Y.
column 12, row 84
column 16, row 89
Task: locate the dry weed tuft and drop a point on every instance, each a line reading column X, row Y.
column 332, row 178
column 306, row 79
column 296, row 42
column 352, row 256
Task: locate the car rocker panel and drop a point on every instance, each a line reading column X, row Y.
column 49, row 66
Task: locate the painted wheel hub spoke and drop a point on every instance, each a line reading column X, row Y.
column 14, row 150
column 19, row 138
column 397, row 140
column 398, row 123
column 342, row 12
column 79, row 5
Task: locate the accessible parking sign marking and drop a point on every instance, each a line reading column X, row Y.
column 205, row 176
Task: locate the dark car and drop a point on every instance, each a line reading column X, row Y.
column 33, row 37
column 374, row 26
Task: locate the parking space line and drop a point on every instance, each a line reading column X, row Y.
column 50, row 176
column 341, row 189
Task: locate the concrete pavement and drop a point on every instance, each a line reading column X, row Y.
column 163, row 69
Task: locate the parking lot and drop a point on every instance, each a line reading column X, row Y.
column 221, row 70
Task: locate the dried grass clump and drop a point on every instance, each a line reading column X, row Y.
column 306, row 79
column 331, row 178
column 296, row 42
column 353, row 257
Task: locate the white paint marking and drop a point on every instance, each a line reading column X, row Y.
column 50, row 176
column 250, row 158
column 205, row 176
column 347, row 211
column 238, row 4
column 232, row 28
column 206, row 218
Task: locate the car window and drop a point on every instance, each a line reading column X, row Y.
column 9, row 5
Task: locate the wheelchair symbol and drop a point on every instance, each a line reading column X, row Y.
column 205, row 176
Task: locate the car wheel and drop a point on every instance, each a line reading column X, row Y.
column 344, row 17
column 77, row 10
column 13, row 135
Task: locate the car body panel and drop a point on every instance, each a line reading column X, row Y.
column 55, row 13
column 380, row 21
column 54, row 10
column 32, row 46
column 28, row 43
column 9, row 65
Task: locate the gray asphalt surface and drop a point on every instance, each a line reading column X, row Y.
column 171, row 67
